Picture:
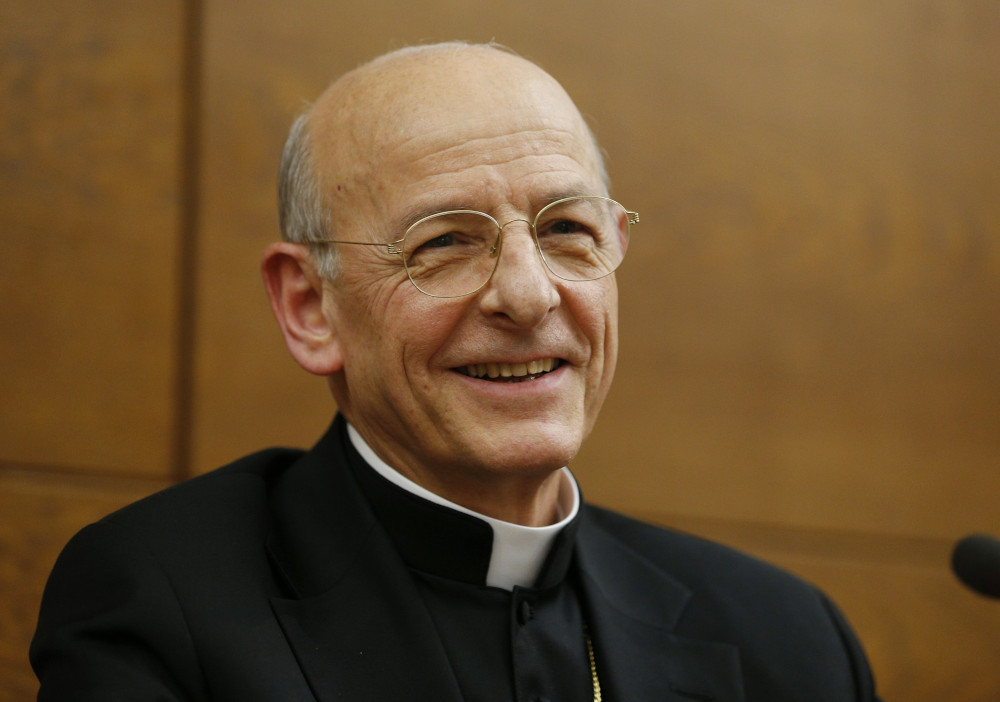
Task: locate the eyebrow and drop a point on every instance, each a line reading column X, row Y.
column 417, row 215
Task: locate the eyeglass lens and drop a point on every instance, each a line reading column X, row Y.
column 454, row 253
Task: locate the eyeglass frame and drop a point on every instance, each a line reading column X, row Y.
column 395, row 247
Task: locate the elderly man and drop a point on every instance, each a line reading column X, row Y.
column 448, row 266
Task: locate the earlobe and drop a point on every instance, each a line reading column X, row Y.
column 296, row 292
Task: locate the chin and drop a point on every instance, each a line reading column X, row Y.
column 531, row 453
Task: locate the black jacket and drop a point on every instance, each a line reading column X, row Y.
column 270, row 579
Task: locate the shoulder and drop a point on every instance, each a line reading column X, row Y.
column 724, row 585
column 212, row 525
column 210, row 521
column 679, row 552
column 234, row 491
column 787, row 630
column 154, row 581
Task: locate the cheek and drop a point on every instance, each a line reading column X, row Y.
column 370, row 311
column 598, row 317
column 611, row 330
column 597, row 314
column 418, row 331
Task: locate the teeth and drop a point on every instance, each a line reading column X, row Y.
column 510, row 370
column 542, row 365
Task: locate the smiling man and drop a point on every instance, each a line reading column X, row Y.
column 448, row 265
column 439, row 130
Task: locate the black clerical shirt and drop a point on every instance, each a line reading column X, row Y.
column 525, row 644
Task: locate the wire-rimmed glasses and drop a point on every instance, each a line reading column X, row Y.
column 454, row 253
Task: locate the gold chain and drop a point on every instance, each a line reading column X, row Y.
column 593, row 669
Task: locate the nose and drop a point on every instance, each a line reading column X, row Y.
column 521, row 289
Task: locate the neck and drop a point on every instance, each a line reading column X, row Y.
column 527, row 500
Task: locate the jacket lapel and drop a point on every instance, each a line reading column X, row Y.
column 632, row 609
column 368, row 638
column 354, row 619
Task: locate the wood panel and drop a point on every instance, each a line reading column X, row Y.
column 38, row 515
column 19, row 685
column 89, row 166
column 820, row 345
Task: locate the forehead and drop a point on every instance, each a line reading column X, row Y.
column 487, row 165
column 479, row 121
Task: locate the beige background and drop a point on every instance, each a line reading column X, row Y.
column 811, row 346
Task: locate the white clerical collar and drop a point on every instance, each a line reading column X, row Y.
column 518, row 551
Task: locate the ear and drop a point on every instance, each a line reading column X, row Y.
column 296, row 291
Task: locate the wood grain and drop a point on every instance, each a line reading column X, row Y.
column 89, row 167
column 18, row 684
column 820, row 344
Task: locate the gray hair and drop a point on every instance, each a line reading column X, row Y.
column 302, row 213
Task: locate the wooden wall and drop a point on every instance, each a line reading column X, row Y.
column 811, row 346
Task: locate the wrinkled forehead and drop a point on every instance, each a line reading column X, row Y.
column 400, row 105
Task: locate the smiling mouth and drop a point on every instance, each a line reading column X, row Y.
column 510, row 372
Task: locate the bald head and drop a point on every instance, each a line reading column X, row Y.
column 393, row 110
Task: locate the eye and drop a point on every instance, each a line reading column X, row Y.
column 564, row 226
column 439, row 241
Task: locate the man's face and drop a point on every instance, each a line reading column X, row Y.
column 505, row 142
